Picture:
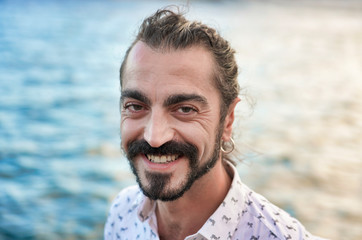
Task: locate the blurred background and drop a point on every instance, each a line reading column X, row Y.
column 300, row 144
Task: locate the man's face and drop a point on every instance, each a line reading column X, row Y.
column 170, row 118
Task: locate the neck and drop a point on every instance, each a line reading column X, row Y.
column 186, row 215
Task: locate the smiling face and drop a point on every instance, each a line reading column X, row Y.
column 170, row 119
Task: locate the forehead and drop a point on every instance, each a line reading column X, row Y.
column 193, row 66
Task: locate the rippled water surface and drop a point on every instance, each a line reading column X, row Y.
column 60, row 163
column 59, row 115
column 59, row 119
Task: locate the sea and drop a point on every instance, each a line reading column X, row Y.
column 60, row 164
column 60, row 158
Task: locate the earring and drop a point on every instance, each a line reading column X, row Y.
column 227, row 147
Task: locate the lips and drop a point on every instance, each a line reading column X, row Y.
column 162, row 159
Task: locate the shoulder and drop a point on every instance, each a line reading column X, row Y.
column 268, row 221
column 126, row 197
column 122, row 209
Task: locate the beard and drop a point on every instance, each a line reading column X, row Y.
column 157, row 187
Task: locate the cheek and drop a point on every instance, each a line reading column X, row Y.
column 203, row 138
column 130, row 130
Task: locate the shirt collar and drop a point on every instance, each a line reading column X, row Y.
column 223, row 222
column 146, row 208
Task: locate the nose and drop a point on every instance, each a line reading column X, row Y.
column 157, row 130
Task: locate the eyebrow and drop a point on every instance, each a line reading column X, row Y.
column 171, row 100
column 135, row 94
column 179, row 98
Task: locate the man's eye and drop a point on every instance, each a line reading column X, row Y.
column 186, row 110
column 134, row 107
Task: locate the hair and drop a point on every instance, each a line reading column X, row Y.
column 169, row 30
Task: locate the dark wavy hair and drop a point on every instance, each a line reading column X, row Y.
column 168, row 30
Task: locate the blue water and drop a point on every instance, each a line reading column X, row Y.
column 60, row 164
column 59, row 117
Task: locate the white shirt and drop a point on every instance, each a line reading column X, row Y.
column 243, row 215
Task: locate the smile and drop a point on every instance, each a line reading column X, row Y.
column 162, row 158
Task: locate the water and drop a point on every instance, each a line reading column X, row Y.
column 59, row 117
column 60, row 163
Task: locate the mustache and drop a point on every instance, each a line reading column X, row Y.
column 172, row 147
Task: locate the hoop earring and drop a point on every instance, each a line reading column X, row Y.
column 227, row 147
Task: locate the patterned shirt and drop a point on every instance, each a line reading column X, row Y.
column 243, row 215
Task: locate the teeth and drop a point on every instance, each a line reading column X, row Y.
column 162, row 158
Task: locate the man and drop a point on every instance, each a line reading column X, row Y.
column 179, row 91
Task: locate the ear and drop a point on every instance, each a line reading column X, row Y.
column 229, row 120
